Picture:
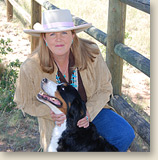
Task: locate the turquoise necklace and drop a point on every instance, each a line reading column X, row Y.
column 74, row 78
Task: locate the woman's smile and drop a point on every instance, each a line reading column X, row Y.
column 59, row 45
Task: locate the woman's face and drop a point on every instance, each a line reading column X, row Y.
column 59, row 42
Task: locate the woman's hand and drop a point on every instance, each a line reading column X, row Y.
column 58, row 118
column 84, row 122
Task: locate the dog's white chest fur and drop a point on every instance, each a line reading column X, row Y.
column 56, row 134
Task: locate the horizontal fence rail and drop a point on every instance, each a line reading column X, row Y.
column 143, row 5
column 92, row 31
column 134, row 58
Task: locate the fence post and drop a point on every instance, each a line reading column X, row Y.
column 9, row 11
column 115, row 32
column 35, row 17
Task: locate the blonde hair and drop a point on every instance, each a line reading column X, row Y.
column 83, row 51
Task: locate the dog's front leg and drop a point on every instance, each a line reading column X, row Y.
column 56, row 134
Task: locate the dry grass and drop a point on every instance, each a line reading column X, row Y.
column 138, row 27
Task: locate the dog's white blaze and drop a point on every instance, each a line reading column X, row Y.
column 50, row 88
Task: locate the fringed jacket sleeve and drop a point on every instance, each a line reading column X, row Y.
column 27, row 89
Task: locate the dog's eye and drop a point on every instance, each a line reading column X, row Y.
column 63, row 88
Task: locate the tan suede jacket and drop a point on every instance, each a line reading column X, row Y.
column 96, row 80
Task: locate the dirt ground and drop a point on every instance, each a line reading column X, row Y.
column 18, row 133
column 21, row 134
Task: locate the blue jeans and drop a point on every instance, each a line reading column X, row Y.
column 114, row 129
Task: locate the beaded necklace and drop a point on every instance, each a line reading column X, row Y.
column 74, row 78
column 63, row 73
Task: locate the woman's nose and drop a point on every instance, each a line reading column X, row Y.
column 58, row 36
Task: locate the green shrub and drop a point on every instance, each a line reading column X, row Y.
column 8, row 76
column 4, row 46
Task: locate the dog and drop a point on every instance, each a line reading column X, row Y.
column 64, row 98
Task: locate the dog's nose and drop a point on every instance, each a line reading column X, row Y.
column 45, row 80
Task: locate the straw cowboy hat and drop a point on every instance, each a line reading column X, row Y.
column 56, row 21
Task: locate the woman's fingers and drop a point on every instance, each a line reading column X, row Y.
column 83, row 122
column 58, row 118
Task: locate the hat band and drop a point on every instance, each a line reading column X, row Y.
column 58, row 24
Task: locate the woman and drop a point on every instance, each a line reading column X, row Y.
column 61, row 54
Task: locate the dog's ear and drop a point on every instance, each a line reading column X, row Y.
column 77, row 110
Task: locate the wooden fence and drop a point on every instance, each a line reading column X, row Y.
column 116, row 51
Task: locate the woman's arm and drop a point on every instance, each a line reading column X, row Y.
column 102, row 87
column 27, row 87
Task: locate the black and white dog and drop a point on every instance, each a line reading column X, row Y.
column 63, row 98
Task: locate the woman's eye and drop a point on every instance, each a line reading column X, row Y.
column 52, row 34
column 64, row 32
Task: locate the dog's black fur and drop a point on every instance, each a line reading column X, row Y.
column 75, row 138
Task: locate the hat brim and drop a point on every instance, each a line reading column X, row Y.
column 77, row 29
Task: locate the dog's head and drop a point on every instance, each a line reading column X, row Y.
column 62, row 98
